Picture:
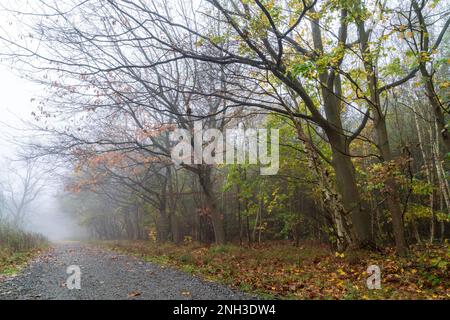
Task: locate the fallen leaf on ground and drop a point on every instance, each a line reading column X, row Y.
column 134, row 294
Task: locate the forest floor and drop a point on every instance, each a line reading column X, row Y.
column 105, row 275
column 148, row 270
column 12, row 262
column 280, row 270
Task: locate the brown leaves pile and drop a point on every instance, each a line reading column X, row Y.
column 281, row 270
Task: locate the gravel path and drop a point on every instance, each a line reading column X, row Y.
column 106, row 275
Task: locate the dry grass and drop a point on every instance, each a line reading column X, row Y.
column 17, row 247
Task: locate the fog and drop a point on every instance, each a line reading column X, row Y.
column 44, row 214
column 46, row 217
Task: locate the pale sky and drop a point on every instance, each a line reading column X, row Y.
column 16, row 105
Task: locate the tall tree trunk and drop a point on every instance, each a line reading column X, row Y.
column 345, row 174
column 175, row 226
column 437, row 110
column 382, row 141
column 443, row 184
column 163, row 226
column 391, row 186
column 416, row 231
column 249, row 238
column 128, row 225
column 172, row 203
column 428, row 168
column 163, row 223
column 441, row 207
column 348, row 189
column 255, row 227
column 430, row 91
column 239, row 214
column 344, row 201
column 216, row 217
column 261, row 225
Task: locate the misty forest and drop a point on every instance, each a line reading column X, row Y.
column 351, row 100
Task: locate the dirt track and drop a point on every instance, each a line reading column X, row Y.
column 106, row 275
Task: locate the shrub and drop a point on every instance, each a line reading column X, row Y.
column 16, row 240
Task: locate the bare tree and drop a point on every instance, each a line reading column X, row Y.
column 22, row 187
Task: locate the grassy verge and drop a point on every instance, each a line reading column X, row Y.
column 17, row 247
column 12, row 262
column 280, row 270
